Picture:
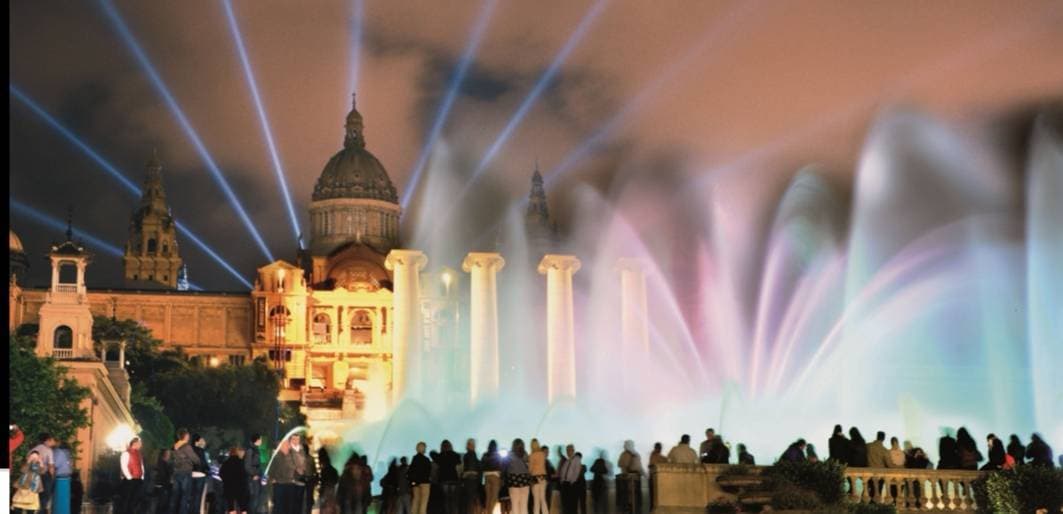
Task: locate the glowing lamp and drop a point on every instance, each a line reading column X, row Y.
column 503, row 453
column 214, row 362
column 119, row 438
column 447, row 279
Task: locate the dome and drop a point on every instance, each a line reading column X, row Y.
column 14, row 244
column 355, row 173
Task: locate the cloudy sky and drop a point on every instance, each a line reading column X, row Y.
column 749, row 91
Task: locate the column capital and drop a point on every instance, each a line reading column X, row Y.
column 634, row 264
column 413, row 258
column 488, row 260
column 569, row 263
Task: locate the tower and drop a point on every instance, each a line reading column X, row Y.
column 151, row 254
column 542, row 235
column 65, row 319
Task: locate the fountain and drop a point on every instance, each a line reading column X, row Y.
column 936, row 301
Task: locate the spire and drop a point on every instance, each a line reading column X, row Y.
column 353, row 136
column 182, row 279
column 70, row 222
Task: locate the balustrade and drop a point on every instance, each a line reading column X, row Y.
column 62, row 353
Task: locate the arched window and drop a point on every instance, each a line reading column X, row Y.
column 152, row 246
column 165, row 249
column 322, row 328
column 362, row 327
column 64, row 338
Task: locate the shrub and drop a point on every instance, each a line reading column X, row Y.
column 722, row 507
column 871, row 508
column 737, row 470
column 1024, row 489
column 826, row 479
column 794, row 498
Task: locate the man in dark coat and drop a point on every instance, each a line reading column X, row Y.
column 795, row 452
column 839, row 446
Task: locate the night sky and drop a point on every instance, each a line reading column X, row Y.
column 701, row 86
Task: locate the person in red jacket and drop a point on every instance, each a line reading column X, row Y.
column 13, row 442
column 132, row 478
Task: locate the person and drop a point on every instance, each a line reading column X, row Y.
column 838, row 446
column 236, row 482
column 253, row 470
column 897, row 457
column 948, row 454
column 706, row 445
column 472, row 483
column 599, row 487
column 1038, row 452
column 917, row 459
column 967, row 450
column 163, row 486
column 719, row 453
column 795, row 452
column 200, row 473
column 491, row 463
column 857, row 449
column 185, row 460
column 349, row 489
column 29, row 485
column 744, row 457
column 810, row 453
column 537, row 469
column 132, row 468
column 877, row 454
column 367, row 484
column 682, row 453
column 403, row 491
column 997, row 455
column 629, row 478
column 310, row 480
column 288, row 473
column 447, row 461
column 47, row 456
column 329, row 476
column 388, row 487
column 14, row 440
column 64, row 469
column 1016, row 449
column 517, row 477
column 570, row 472
column 581, row 486
column 657, row 455
column 420, row 475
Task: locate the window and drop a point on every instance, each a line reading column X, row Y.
column 152, row 246
column 165, row 249
column 362, row 327
column 236, row 360
column 287, row 355
column 165, row 278
column 135, row 277
column 151, row 277
column 64, row 338
column 322, row 328
column 68, row 273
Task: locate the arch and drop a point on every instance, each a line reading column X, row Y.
column 152, row 245
column 279, row 310
column 68, row 272
column 362, row 323
column 63, row 338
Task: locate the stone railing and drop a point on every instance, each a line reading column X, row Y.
column 63, row 353
column 689, row 488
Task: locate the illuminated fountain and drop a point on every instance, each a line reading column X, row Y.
column 935, row 302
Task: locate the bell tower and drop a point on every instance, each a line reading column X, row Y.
column 65, row 319
column 151, row 254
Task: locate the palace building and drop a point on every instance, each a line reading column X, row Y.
column 349, row 320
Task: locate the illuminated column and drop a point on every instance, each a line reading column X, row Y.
column 406, row 350
column 634, row 326
column 560, row 325
column 483, row 324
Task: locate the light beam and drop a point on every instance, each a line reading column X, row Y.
column 60, row 225
column 452, row 94
column 263, row 121
column 156, row 80
column 356, row 46
column 117, row 174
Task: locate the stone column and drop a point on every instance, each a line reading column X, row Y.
column 483, row 324
column 406, row 348
column 560, row 325
column 634, row 325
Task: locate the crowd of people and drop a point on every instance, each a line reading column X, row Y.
column 520, row 480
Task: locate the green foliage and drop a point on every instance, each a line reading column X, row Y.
column 43, row 398
column 794, row 498
column 29, row 330
column 106, row 478
column 1024, row 489
column 722, row 507
column 157, row 430
column 826, row 479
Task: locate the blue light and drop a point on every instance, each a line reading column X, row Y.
column 58, row 224
column 451, row 96
column 114, row 172
column 156, row 80
column 588, row 19
column 356, row 44
column 253, row 84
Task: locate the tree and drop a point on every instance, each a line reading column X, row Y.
column 43, row 398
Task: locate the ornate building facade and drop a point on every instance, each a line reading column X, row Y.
column 353, row 322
